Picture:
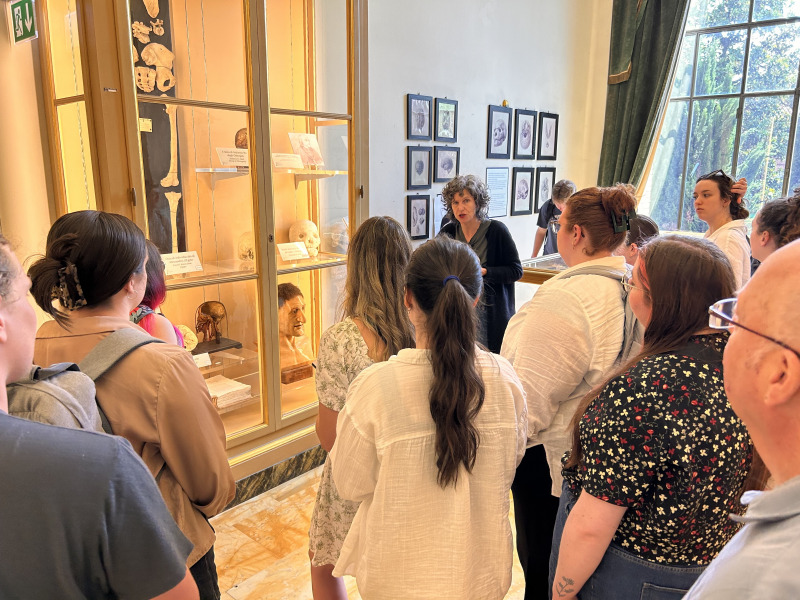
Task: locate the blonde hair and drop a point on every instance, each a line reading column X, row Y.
column 376, row 263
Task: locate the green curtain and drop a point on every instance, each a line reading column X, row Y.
column 645, row 41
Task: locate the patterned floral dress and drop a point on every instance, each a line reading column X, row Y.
column 663, row 441
column 342, row 355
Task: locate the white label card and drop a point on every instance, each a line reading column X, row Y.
column 233, row 157
column 287, row 161
column 145, row 125
column 293, row 251
column 202, row 360
column 181, row 262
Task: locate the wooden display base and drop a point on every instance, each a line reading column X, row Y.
column 296, row 372
column 213, row 346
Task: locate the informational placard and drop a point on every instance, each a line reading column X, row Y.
column 181, row 262
column 497, row 182
column 287, row 161
column 202, row 360
column 145, row 125
column 233, row 157
column 293, row 251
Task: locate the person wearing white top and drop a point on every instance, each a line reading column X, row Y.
column 429, row 442
column 562, row 343
column 719, row 202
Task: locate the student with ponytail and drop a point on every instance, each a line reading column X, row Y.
column 428, row 442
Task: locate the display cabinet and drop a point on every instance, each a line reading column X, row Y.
column 239, row 140
column 540, row 269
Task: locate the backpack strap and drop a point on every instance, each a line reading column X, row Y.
column 42, row 373
column 108, row 352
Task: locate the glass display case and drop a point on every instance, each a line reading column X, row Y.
column 540, row 269
column 225, row 129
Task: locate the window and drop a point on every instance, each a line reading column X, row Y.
column 733, row 106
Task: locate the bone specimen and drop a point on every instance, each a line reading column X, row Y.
column 145, row 78
column 152, row 8
column 135, row 54
column 171, row 179
column 173, row 198
column 189, row 337
column 141, row 31
column 157, row 55
column 164, row 79
column 158, row 26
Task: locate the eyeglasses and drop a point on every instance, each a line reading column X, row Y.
column 721, row 317
column 717, row 173
column 628, row 286
column 555, row 226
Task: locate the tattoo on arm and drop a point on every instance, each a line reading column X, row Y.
column 565, row 587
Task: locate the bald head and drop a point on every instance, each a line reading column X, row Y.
column 775, row 290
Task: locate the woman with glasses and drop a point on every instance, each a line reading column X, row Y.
column 561, row 344
column 775, row 225
column 466, row 200
column 719, row 202
column 659, row 459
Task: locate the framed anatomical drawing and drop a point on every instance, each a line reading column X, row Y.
column 525, row 129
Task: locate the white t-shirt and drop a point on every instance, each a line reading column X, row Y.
column 562, row 343
column 732, row 240
column 411, row 538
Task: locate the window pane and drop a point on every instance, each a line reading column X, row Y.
column 708, row 13
column 683, row 72
column 710, row 147
column 62, row 20
column 762, row 147
column 775, row 9
column 794, row 178
column 664, row 182
column 76, row 158
column 774, row 55
column 720, row 60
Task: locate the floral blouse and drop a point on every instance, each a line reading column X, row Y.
column 662, row 440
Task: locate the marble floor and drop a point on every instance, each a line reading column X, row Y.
column 262, row 546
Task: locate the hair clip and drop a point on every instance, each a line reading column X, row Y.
column 623, row 224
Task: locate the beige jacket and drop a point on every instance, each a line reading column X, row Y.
column 157, row 400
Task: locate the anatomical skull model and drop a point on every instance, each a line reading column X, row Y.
column 208, row 319
column 240, row 141
column 305, row 231
column 247, row 246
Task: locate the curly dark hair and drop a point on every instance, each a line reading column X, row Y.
column 472, row 185
column 725, row 183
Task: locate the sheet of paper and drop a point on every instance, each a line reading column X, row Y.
column 202, row 360
column 181, row 262
column 497, row 182
column 293, row 251
column 233, row 157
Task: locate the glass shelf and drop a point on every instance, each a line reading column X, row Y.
column 218, row 272
column 301, row 175
column 323, row 260
column 540, row 269
column 218, row 173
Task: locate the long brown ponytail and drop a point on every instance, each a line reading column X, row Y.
column 444, row 277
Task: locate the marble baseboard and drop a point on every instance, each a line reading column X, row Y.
column 258, row 483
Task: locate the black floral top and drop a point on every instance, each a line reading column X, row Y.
column 662, row 440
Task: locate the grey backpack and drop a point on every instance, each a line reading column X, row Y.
column 64, row 394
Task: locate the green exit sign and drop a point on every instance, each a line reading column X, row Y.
column 23, row 20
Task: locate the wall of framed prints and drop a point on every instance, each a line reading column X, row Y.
column 534, row 62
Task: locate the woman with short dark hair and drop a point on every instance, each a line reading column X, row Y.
column 428, row 442
column 466, row 200
column 659, row 459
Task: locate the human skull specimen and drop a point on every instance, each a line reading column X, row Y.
column 145, row 78
column 208, row 320
column 305, row 231
column 240, row 141
column 247, row 246
column 141, row 31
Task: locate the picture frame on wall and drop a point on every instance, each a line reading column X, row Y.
column 418, row 209
column 418, row 168
column 525, row 134
column 548, row 136
column 446, row 121
column 498, row 136
column 545, row 179
column 418, row 116
column 438, row 214
column 522, row 190
column 446, row 160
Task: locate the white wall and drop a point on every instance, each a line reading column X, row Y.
column 537, row 54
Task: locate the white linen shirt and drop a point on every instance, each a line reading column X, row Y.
column 562, row 343
column 732, row 240
column 411, row 538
